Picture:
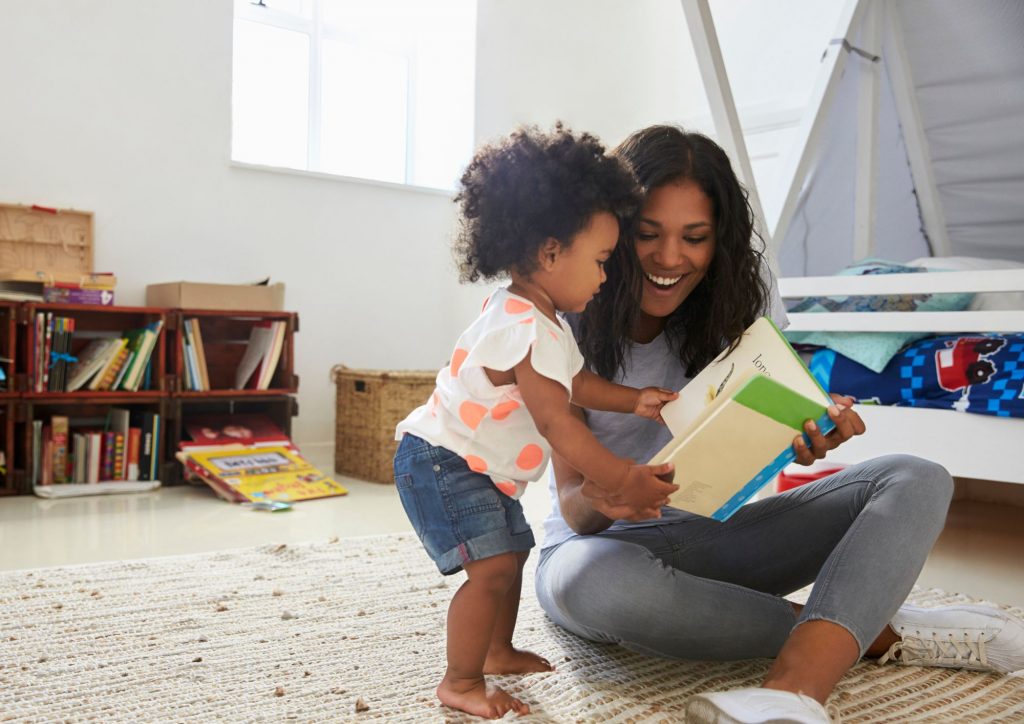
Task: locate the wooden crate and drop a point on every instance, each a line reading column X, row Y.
column 370, row 403
column 43, row 244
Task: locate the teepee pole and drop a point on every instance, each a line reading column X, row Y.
column 808, row 136
column 865, row 184
column 930, row 204
column 723, row 108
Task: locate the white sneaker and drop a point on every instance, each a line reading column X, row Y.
column 983, row 638
column 754, row 706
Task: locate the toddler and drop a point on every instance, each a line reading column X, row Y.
column 547, row 211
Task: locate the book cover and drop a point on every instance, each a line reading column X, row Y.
column 260, row 338
column 77, row 295
column 239, row 429
column 734, row 423
column 275, row 472
column 142, row 341
column 93, row 357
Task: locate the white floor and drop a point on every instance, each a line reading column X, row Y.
column 979, row 553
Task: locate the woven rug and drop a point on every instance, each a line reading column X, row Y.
column 353, row 630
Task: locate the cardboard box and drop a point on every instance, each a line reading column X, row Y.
column 198, row 295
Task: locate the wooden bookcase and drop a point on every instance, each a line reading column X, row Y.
column 225, row 336
column 9, row 314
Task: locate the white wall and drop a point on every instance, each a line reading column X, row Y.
column 122, row 107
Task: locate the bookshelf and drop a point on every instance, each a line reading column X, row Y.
column 162, row 387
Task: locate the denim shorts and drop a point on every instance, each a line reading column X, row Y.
column 459, row 515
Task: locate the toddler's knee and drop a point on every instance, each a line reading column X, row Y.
column 496, row 573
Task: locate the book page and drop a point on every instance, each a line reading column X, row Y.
column 761, row 350
column 718, row 458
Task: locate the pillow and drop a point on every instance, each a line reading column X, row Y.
column 874, row 349
column 984, row 301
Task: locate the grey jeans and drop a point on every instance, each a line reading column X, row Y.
column 699, row 589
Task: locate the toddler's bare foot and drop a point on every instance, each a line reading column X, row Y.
column 515, row 661
column 476, row 696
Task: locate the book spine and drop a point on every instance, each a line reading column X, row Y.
column 47, row 348
column 766, row 475
column 37, row 451
column 59, row 428
column 107, row 465
column 133, row 449
column 119, row 457
column 93, row 457
column 154, row 460
column 146, row 447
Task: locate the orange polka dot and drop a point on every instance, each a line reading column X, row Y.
column 553, row 335
column 458, row 357
column 486, row 301
column 529, row 457
column 472, row 413
column 528, row 320
column 477, row 465
column 514, row 306
column 503, row 409
column 507, row 487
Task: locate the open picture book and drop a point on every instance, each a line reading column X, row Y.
column 734, row 424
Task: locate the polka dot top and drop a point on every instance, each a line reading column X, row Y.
column 490, row 426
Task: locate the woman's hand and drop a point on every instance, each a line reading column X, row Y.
column 650, row 400
column 848, row 424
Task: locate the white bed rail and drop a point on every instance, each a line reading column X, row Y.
column 995, row 280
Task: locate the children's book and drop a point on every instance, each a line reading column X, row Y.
column 734, row 424
column 238, row 430
column 274, row 472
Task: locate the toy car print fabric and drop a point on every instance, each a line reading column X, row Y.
column 970, row 373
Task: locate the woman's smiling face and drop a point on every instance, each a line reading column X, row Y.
column 675, row 241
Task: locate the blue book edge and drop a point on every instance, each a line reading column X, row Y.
column 748, row 491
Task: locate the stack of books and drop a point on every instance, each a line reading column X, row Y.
column 66, row 450
column 96, row 288
column 246, row 458
column 121, row 362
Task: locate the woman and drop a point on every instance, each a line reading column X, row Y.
column 683, row 586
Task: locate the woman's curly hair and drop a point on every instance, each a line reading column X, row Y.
column 517, row 193
column 732, row 294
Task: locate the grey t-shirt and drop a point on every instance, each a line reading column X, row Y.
column 653, row 364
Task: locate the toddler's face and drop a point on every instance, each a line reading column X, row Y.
column 579, row 270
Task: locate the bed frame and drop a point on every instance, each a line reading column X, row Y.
column 968, row 445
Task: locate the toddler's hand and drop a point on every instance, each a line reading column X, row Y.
column 650, row 400
column 638, row 495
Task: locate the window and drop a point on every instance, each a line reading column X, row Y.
column 372, row 89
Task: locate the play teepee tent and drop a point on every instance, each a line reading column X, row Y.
column 914, row 142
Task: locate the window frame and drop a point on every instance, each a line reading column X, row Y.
column 314, row 28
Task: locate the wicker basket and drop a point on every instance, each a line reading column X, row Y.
column 370, row 404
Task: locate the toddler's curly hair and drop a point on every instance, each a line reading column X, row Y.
column 520, row 191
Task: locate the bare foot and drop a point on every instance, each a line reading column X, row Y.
column 515, row 661
column 476, row 696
